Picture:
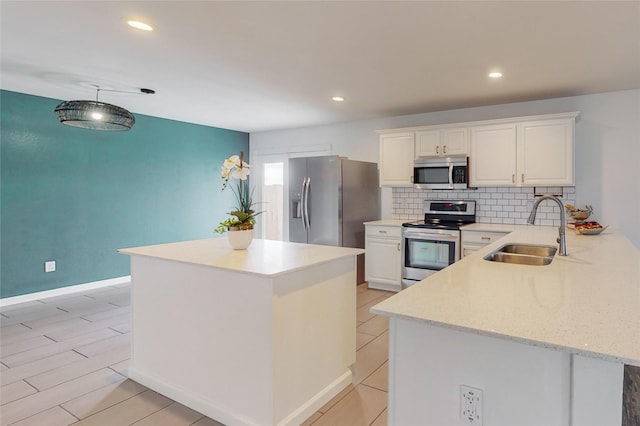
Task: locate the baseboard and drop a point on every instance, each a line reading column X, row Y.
column 8, row 301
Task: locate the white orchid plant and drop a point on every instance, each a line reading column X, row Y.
column 243, row 216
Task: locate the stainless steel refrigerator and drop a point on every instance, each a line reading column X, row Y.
column 330, row 198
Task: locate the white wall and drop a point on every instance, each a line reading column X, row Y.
column 607, row 147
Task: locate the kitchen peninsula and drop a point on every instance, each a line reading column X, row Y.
column 545, row 344
column 262, row 336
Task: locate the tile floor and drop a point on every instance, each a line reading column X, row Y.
column 64, row 361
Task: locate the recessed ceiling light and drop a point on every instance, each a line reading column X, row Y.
column 140, row 25
column 338, row 98
column 495, row 74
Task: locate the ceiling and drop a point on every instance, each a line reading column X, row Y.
column 257, row 66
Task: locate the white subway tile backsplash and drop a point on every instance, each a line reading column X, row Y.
column 494, row 205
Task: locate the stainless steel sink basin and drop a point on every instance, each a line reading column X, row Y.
column 529, row 249
column 523, row 254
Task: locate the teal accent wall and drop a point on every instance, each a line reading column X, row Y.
column 75, row 195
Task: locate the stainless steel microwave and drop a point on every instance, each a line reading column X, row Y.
column 441, row 173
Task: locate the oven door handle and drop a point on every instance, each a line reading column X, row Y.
column 423, row 236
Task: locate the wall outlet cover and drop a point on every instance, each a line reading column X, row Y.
column 50, row 266
column 471, row 405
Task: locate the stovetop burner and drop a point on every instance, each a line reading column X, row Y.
column 445, row 214
column 435, row 224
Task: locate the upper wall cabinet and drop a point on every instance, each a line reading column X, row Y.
column 519, row 151
column 492, row 160
column 534, row 152
column 442, row 142
column 546, row 152
column 396, row 159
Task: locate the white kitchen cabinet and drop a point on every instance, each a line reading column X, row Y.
column 473, row 241
column 396, row 159
column 531, row 152
column 442, row 142
column 546, row 152
column 383, row 257
column 492, row 158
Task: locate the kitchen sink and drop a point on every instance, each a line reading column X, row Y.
column 529, row 249
column 523, row 254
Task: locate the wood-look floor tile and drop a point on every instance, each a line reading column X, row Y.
column 128, row 411
column 362, row 339
column 33, row 404
column 80, row 368
column 85, row 327
column 14, row 391
column 326, row 407
column 48, row 314
column 28, row 333
column 375, row 326
column 379, row 379
column 381, row 420
column 121, row 367
column 207, row 422
column 370, row 358
column 364, row 297
column 3, row 367
column 58, row 347
column 359, row 408
column 99, row 316
column 54, row 416
column 312, row 419
column 24, row 345
column 362, row 312
column 24, row 371
column 7, row 331
column 31, row 306
column 100, row 399
column 95, row 348
column 174, row 415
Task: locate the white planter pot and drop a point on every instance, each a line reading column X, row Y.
column 240, row 239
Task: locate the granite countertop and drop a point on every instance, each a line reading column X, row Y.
column 587, row 303
column 263, row 257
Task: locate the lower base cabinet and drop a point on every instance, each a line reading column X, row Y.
column 383, row 257
column 473, row 241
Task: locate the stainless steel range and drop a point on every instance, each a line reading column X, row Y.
column 432, row 244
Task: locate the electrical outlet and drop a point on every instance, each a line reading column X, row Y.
column 471, row 405
column 50, row 266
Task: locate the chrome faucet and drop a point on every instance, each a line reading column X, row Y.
column 562, row 239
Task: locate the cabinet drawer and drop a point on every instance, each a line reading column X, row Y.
column 384, row 231
column 481, row 237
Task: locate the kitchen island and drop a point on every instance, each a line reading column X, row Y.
column 545, row 344
column 263, row 336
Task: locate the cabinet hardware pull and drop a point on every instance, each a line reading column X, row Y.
column 382, row 232
column 523, row 178
column 437, row 149
column 398, row 246
column 444, row 149
column 485, row 238
column 513, row 178
column 411, row 179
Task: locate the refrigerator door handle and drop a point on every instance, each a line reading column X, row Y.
column 304, row 185
column 306, row 203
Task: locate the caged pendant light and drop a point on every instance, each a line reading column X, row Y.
column 96, row 115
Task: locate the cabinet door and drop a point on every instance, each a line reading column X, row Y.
column 455, row 141
column 428, row 143
column 546, row 152
column 492, row 155
column 396, row 159
column 382, row 261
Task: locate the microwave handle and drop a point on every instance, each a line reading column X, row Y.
column 451, row 175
